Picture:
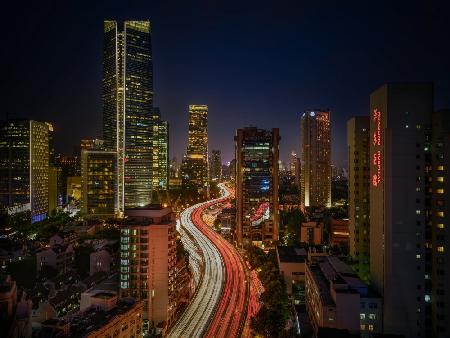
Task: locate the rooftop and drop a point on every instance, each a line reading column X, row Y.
column 93, row 319
column 291, row 254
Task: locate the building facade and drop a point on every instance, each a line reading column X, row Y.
column 438, row 230
column 358, row 192
column 216, row 166
column 148, row 261
column 128, row 107
column 160, row 152
column 336, row 298
column 98, row 183
column 195, row 165
column 400, row 120
column 24, row 167
column 257, row 214
column 315, row 131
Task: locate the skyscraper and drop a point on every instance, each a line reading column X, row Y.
column 315, row 131
column 160, row 152
column 400, row 120
column 127, row 107
column 98, row 183
column 358, row 192
column 257, row 215
column 195, row 167
column 438, row 232
column 293, row 163
column 216, row 166
column 24, row 167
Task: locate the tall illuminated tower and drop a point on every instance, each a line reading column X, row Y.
column 127, row 107
column 24, row 167
column 195, row 166
column 400, row 121
column 315, row 131
column 257, row 214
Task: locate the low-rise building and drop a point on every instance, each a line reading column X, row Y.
column 59, row 257
column 291, row 261
column 99, row 261
column 339, row 232
column 120, row 319
column 311, row 233
column 336, row 298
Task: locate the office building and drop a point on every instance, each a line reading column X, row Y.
column 24, row 167
column 358, row 192
column 438, row 231
column 69, row 167
column 53, row 174
column 148, row 261
column 400, row 121
column 336, row 298
column 216, row 166
column 257, row 214
column 98, row 183
column 92, row 144
column 315, row 133
column 160, row 152
column 195, row 164
column 128, row 107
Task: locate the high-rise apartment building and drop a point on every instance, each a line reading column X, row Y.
column 358, row 192
column 216, row 166
column 148, row 261
column 160, row 152
column 400, row 121
column 438, row 231
column 98, row 183
column 293, row 163
column 128, row 107
column 24, row 167
column 315, row 130
column 257, row 215
column 195, row 164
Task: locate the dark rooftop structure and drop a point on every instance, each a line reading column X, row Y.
column 291, row 254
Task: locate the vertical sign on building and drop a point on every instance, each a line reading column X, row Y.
column 377, row 141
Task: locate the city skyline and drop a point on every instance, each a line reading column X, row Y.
column 305, row 68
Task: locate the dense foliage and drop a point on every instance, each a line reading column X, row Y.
column 273, row 316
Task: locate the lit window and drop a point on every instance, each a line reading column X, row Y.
column 363, row 327
column 440, row 179
column 440, row 167
column 418, row 212
column 427, row 298
column 440, row 226
column 440, row 249
column 372, row 316
column 440, row 213
column 370, row 327
column 362, row 316
column 418, row 256
column 440, row 191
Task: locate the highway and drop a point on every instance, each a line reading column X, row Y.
column 210, row 280
column 220, row 304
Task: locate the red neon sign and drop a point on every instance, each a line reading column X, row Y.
column 376, row 139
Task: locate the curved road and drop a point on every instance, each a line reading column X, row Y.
column 196, row 318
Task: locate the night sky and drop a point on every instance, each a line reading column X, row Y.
column 253, row 63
